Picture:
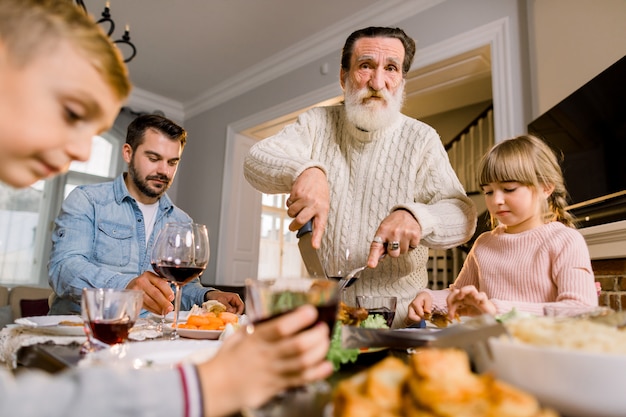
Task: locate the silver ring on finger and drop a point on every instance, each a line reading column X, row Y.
column 377, row 239
column 395, row 245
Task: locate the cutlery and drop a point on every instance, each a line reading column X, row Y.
column 350, row 277
column 470, row 336
column 307, row 251
column 454, row 336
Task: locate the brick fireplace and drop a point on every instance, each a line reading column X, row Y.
column 607, row 247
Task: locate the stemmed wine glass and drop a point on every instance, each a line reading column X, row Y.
column 340, row 263
column 180, row 254
column 342, row 260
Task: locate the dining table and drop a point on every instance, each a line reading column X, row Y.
column 23, row 348
column 55, row 353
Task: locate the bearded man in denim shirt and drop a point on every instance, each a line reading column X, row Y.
column 104, row 234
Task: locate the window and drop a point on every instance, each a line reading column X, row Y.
column 19, row 214
column 27, row 215
column 279, row 256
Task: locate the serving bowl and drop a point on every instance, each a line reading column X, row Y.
column 575, row 383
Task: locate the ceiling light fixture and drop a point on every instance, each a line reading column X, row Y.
column 106, row 19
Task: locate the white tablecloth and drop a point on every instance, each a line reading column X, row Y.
column 15, row 336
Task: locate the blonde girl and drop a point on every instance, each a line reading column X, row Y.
column 534, row 257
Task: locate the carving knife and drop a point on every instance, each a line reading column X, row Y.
column 309, row 254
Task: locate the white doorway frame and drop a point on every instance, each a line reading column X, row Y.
column 508, row 121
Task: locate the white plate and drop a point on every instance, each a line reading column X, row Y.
column 575, row 383
column 171, row 352
column 50, row 325
column 155, row 353
column 198, row 334
column 182, row 316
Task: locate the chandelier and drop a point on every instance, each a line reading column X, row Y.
column 106, row 19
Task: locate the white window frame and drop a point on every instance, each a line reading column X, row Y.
column 54, row 194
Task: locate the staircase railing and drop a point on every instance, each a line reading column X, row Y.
column 464, row 151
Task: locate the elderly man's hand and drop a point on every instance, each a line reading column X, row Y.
column 309, row 199
column 397, row 234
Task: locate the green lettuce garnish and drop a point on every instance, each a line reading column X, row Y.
column 374, row 321
column 338, row 355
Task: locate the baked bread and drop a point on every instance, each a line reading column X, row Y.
column 435, row 383
column 375, row 392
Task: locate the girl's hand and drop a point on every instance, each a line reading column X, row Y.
column 421, row 304
column 470, row 301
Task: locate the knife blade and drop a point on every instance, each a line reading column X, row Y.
column 309, row 254
column 461, row 336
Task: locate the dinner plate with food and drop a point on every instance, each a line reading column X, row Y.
column 205, row 322
column 352, row 316
column 61, row 325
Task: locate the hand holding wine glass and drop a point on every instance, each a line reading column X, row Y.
column 180, row 254
column 268, row 299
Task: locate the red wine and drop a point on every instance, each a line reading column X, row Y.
column 387, row 314
column 178, row 274
column 111, row 332
column 157, row 270
column 326, row 313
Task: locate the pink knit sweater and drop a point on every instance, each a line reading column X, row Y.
column 548, row 265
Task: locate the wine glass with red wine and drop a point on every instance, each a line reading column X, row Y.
column 110, row 314
column 180, row 254
column 267, row 299
column 342, row 260
column 270, row 298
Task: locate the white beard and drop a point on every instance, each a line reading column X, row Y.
column 374, row 114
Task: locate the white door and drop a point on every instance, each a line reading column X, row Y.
column 241, row 213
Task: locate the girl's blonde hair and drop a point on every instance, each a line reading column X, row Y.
column 29, row 28
column 529, row 161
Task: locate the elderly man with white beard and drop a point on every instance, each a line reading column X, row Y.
column 372, row 180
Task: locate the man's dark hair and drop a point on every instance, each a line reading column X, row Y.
column 379, row 32
column 137, row 128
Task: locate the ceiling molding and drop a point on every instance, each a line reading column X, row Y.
column 474, row 64
column 142, row 100
column 496, row 34
column 383, row 13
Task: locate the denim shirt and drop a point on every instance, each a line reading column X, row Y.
column 99, row 241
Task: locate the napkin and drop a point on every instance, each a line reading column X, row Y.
column 24, row 321
column 14, row 337
column 144, row 329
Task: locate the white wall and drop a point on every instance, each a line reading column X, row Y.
column 571, row 42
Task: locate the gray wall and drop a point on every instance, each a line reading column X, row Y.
column 201, row 173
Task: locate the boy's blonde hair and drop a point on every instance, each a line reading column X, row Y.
column 30, row 27
column 529, row 161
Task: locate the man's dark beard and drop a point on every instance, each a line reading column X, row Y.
column 142, row 185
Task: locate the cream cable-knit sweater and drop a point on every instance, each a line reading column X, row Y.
column 547, row 265
column 370, row 174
